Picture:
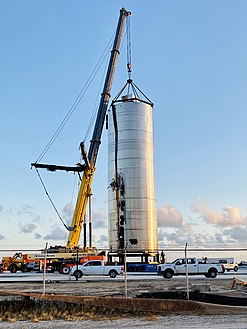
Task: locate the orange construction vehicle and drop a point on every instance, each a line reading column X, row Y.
column 18, row 262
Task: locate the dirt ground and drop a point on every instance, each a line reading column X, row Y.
column 101, row 299
column 115, row 288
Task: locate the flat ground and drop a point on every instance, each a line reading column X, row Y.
column 105, row 286
column 87, row 293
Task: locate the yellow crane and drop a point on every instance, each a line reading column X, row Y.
column 88, row 167
column 62, row 257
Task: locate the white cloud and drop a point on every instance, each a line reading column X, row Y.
column 210, row 228
column 237, row 234
column 56, row 234
column 67, row 212
column 102, row 241
column 100, row 219
column 27, row 228
column 229, row 217
column 103, row 238
column 37, row 236
column 179, row 237
column 208, row 215
column 99, row 224
column 233, row 216
column 219, row 238
column 168, row 216
column 27, row 210
column 173, row 239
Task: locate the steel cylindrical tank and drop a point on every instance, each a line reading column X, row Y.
column 131, row 148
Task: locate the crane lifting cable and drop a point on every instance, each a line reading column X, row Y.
column 94, row 113
column 77, row 100
column 53, row 205
column 130, row 85
column 129, row 61
column 79, row 168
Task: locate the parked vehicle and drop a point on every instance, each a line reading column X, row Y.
column 230, row 267
column 18, row 262
column 142, row 267
column 96, row 267
column 178, row 267
column 228, row 263
column 55, row 261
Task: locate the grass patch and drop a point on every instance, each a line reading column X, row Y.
column 45, row 310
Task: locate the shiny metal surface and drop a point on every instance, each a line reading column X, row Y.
column 136, row 166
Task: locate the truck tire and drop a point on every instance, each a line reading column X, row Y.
column 59, row 268
column 212, row 273
column 65, row 270
column 13, row 268
column 168, row 274
column 24, row 268
column 112, row 274
column 78, row 274
column 235, row 269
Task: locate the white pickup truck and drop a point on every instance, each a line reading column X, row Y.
column 228, row 263
column 178, row 267
column 96, row 267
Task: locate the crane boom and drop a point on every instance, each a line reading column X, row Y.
column 86, row 182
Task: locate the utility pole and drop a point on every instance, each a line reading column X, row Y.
column 44, row 274
column 125, row 271
column 187, row 277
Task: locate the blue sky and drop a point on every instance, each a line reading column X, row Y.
column 189, row 57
